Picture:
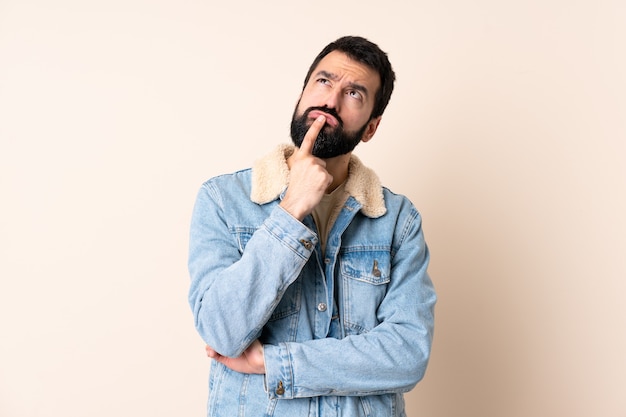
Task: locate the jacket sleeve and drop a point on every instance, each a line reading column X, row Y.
column 232, row 295
column 390, row 358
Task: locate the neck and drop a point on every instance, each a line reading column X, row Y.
column 338, row 168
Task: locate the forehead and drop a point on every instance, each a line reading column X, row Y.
column 347, row 69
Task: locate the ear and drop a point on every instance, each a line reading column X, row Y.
column 372, row 125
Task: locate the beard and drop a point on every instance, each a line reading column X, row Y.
column 330, row 142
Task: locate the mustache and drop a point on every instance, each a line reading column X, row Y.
column 327, row 110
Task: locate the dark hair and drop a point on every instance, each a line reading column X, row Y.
column 368, row 53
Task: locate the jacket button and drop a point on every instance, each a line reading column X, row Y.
column 280, row 390
column 375, row 269
column 307, row 243
column 321, row 306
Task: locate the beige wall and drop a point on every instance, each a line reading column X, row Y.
column 507, row 130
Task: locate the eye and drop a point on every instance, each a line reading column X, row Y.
column 323, row 81
column 355, row 94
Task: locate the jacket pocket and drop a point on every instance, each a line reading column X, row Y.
column 372, row 267
column 364, row 275
column 243, row 235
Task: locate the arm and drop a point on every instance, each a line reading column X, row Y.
column 392, row 357
column 233, row 295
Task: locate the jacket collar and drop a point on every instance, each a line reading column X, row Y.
column 270, row 177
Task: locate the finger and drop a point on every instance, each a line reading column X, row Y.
column 311, row 135
column 210, row 352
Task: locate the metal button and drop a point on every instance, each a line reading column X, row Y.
column 321, row 306
column 280, row 390
column 375, row 270
column 307, row 243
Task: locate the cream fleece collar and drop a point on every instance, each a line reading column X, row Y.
column 270, row 177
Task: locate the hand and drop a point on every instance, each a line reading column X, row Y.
column 251, row 360
column 308, row 178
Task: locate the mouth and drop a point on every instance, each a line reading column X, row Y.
column 330, row 120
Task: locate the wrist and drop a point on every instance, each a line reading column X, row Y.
column 293, row 210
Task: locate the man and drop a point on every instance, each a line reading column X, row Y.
column 309, row 280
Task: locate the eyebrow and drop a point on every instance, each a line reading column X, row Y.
column 334, row 77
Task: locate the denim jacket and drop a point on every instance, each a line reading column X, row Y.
column 345, row 332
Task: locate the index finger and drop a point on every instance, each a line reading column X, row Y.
column 311, row 135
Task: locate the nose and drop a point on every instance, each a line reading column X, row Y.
column 333, row 99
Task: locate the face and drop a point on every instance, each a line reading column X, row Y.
column 343, row 90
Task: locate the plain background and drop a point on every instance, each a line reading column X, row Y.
column 507, row 129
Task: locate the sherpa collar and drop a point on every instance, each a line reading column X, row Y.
column 270, row 177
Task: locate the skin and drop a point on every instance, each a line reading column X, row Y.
column 350, row 88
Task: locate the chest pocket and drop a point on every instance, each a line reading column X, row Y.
column 365, row 275
column 243, row 235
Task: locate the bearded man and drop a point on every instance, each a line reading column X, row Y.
column 309, row 279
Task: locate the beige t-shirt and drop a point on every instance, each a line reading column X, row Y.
column 325, row 213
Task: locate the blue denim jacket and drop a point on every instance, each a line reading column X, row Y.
column 345, row 332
